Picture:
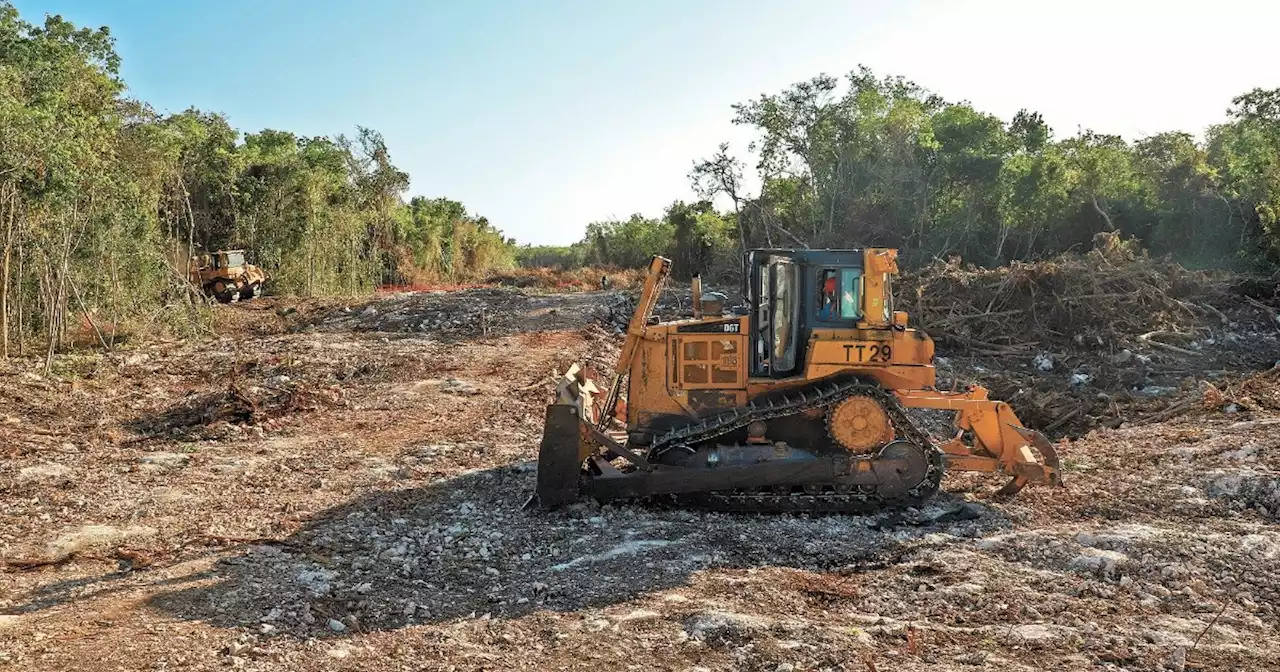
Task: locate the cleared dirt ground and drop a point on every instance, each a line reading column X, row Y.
column 343, row 490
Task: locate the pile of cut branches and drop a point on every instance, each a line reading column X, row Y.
column 1108, row 299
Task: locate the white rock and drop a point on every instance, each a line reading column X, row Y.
column 638, row 615
column 989, row 544
column 456, row 386
column 1036, row 633
column 318, row 581
column 1043, row 362
column 720, row 624
column 1098, row 559
column 337, row 626
column 1247, row 452
column 165, row 460
column 43, row 472
column 630, row 547
column 94, row 537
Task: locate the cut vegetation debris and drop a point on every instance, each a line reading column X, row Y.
column 347, row 490
column 1083, row 341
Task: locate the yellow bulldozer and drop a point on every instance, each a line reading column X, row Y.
column 225, row 276
column 796, row 401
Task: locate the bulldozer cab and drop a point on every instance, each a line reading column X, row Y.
column 792, row 292
column 200, row 262
column 228, row 259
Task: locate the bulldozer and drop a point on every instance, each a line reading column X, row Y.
column 796, row 401
column 225, row 276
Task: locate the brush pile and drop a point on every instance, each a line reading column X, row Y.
column 1095, row 339
column 1109, row 299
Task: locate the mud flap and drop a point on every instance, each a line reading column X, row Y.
column 559, row 458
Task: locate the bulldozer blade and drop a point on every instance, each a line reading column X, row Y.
column 559, row 457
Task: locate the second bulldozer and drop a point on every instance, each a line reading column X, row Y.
column 796, row 402
column 226, row 276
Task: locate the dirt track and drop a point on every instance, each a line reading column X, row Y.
column 345, row 491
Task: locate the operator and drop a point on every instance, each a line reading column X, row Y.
column 827, row 310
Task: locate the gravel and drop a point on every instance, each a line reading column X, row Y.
column 373, row 520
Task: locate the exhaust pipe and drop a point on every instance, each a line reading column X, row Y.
column 697, row 296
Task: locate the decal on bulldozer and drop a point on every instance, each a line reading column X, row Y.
column 867, row 352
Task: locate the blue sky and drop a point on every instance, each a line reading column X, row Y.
column 545, row 116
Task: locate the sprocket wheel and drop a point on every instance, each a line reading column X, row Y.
column 860, row 424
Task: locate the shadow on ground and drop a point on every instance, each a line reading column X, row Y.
column 465, row 547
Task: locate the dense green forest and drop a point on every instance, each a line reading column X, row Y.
column 102, row 200
column 883, row 161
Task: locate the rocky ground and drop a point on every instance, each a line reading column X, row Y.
column 339, row 486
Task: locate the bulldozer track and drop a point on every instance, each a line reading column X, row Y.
column 817, row 498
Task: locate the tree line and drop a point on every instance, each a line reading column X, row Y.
column 872, row 160
column 103, row 200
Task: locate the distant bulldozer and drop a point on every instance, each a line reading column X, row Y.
column 225, row 276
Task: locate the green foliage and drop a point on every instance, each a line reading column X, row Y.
column 882, row 161
column 447, row 243
column 102, row 201
column 562, row 257
column 694, row 235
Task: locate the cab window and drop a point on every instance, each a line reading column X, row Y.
column 828, row 295
column 784, row 325
column 839, row 294
column 850, row 293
